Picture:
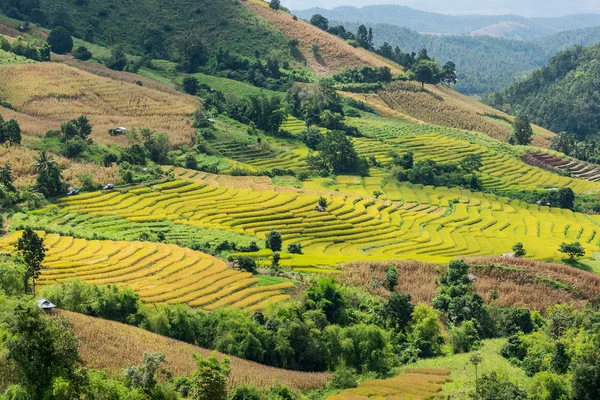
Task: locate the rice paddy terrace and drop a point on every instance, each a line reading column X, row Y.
column 159, row 273
column 430, row 224
column 576, row 168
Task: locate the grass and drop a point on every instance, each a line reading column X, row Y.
column 112, row 347
column 230, row 86
column 159, row 273
column 463, row 373
column 52, row 93
column 11, row 58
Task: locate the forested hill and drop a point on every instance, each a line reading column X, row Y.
column 422, row 21
column 484, row 63
column 562, row 96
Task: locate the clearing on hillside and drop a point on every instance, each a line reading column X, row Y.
column 53, row 93
column 414, row 384
column 112, row 346
column 323, row 52
column 159, row 273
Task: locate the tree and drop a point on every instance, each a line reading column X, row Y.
column 45, row 52
column 449, row 73
column 362, row 36
column 60, row 40
column 294, row 248
column 192, row 55
column 475, row 360
column 6, row 177
column 31, row 247
column 337, row 154
column 274, row 241
column 49, row 179
column 320, row 22
column 247, row 264
column 118, row 59
column 43, row 350
column 519, row 250
column 275, row 4
column 10, row 132
column 496, row 387
column 312, row 137
column 573, row 250
column 560, row 361
column 522, row 131
column 275, row 259
column 566, row 198
column 322, row 202
column 391, row 278
column 82, row 53
column 424, row 74
column 144, row 376
column 190, row 85
column 398, row 310
column 471, row 163
column 209, row 380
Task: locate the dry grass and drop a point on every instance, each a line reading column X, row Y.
column 112, row 346
column 515, row 288
column 414, row 384
column 21, row 159
column 335, row 54
column 51, row 93
column 444, row 106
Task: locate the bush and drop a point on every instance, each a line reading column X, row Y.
column 294, row 248
column 274, row 241
column 82, row 53
column 247, row 264
column 343, row 378
column 60, row 40
column 190, row 85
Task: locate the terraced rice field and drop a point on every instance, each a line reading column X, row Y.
column 500, row 170
column 577, row 169
column 415, row 384
column 261, row 157
column 159, row 273
column 429, row 224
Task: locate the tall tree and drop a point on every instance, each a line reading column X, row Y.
column 60, row 40
column 31, row 247
column 522, row 131
column 49, row 179
column 320, row 22
column 424, row 74
column 275, row 4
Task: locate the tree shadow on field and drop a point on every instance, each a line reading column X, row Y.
column 576, row 264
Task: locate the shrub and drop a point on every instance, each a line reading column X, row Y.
column 247, row 264
column 294, row 248
column 60, row 40
column 190, row 85
column 343, row 378
column 274, row 241
column 82, row 53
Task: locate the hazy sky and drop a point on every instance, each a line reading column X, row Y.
column 521, row 7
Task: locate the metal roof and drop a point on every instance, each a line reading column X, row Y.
column 45, row 304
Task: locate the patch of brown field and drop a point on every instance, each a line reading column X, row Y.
column 514, row 287
column 30, row 124
column 334, row 53
column 378, row 104
column 102, row 70
column 112, row 346
column 441, row 105
column 56, row 93
column 21, row 160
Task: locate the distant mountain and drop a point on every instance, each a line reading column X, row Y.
column 562, row 96
column 507, row 26
column 484, row 63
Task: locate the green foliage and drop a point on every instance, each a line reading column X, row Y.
column 559, row 364
column 274, row 241
column 426, row 331
column 246, row 264
column 294, row 248
column 496, row 387
column 118, row 59
column 397, row 311
column 82, row 53
column 522, row 131
column 10, row 132
column 336, row 154
column 312, row 137
column 209, row 380
column 391, row 278
column 465, row 338
column 343, row 378
column 144, row 377
column 325, row 295
column 31, row 248
column 60, row 40
column 428, row 172
column 12, row 276
column 275, row 4
column 573, row 250
column 190, row 85
column 519, row 250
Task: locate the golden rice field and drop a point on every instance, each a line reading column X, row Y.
column 112, row 347
column 334, row 55
column 428, row 224
column 52, row 93
column 159, row 273
column 21, row 159
column 414, row 384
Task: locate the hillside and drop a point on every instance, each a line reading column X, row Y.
column 333, row 54
column 562, row 96
column 45, row 95
column 112, row 347
column 484, row 62
column 506, row 26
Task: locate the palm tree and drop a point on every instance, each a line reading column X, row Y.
column 43, row 162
